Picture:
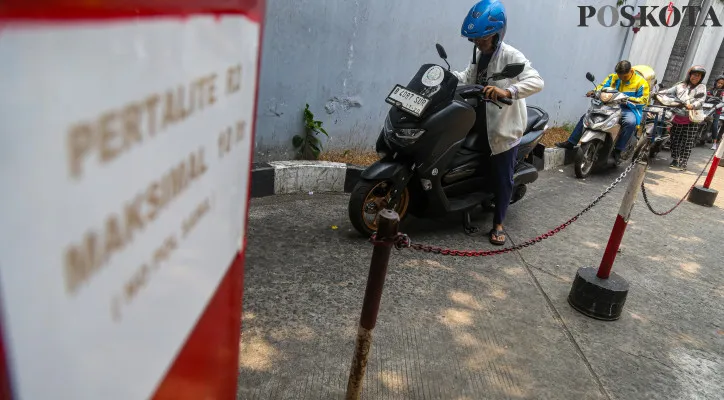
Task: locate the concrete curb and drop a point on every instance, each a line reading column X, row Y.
column 285, row 177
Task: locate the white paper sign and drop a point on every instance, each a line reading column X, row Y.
column 125, row 154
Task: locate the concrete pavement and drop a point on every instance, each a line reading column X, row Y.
column 496, row 327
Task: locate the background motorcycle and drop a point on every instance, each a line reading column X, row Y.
column 601, row 127
column 657, row 124
column 678, row 107
column 710, row 107
column 431, row 163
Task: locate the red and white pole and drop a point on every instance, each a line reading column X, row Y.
column 619, row 227
column 714, row 165
column 600, row 293
column 704, row 195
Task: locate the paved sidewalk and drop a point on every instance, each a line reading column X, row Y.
column 490, row 328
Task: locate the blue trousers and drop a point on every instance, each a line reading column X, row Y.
column 628, row 127
column 715, row 134
column 502, row 167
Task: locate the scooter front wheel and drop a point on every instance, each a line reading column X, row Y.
column 586, row 158
column 368, row 198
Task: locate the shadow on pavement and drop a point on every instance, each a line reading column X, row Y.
column 492, row 328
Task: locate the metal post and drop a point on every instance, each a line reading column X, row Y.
column 387, row 222
column 695, row 38
column 625, row 38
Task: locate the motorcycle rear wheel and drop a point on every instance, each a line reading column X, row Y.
column 368, row 198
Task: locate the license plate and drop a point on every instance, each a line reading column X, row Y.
column 596, row 102
column 408, row 101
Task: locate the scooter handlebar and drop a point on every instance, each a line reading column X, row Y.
column 476, row 90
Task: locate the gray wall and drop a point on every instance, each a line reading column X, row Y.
column 344, row 56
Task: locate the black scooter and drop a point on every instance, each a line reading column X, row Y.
column 431, row 163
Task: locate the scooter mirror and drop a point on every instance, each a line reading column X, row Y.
column 441, row 51
column 590, row 77
column 510, row 71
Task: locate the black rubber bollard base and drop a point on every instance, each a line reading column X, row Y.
column 598, row 298
column 703, row 196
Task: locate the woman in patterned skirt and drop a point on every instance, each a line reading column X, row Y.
column 684, row 132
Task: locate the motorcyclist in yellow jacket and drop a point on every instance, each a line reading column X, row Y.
column 628, row 82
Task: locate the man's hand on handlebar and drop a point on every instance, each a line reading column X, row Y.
column 590, row 93
column 495, row 93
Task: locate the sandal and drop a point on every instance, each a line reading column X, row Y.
column 496, row 233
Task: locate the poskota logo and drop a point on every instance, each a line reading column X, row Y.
column 655, row 16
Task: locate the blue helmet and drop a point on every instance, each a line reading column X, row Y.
column 487, row 17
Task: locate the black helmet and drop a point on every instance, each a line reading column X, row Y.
column 696, row 68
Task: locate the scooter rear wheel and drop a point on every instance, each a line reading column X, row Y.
column 368, row 198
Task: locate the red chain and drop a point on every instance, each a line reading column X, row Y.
column 486, row 253
column 401, row 240
column 661, row 214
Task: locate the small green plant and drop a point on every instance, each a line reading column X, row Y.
column 568, row 127
column 309, row 146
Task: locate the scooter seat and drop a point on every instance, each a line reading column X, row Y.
column 536, row 122
column 537, row 119
column 530, row 137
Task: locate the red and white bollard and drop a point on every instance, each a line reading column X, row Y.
column 600, row 293
column 703, row 195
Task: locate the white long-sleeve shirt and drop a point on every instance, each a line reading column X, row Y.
column 506, row 125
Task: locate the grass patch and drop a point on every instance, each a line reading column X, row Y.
column 355, row 157
column 556, row 134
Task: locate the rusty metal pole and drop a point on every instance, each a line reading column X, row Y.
column 387, row 222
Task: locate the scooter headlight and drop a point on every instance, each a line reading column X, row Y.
column 403, row 135
column 606, row 97
column 409, row 134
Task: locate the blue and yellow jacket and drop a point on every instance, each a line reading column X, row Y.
column 637, row 89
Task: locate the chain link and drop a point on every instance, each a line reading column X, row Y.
column 401, row 241
column 663, row 213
